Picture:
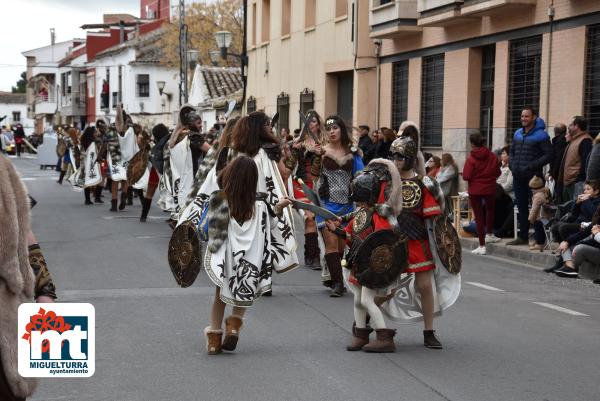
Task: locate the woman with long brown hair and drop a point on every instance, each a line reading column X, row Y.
column 303, row 151
column 244, row 244
column 335, row 166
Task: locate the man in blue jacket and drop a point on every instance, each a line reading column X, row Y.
column 530, row 151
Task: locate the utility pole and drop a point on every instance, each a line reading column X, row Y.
column 183, row 62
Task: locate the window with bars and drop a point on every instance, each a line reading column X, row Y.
column 283, row 108
column 592, row 80
column 399, row 93
column 307, row 102
column 524, row 79
column 143, row 85
column 251, row 104
column 16, row 116
column 486, row 110
column 432, row 100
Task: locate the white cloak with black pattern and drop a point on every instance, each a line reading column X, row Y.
column 243, row 265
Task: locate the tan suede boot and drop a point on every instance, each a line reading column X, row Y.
column 233, row 324
column 383, row 343
column 360, row 338
column 213, row 340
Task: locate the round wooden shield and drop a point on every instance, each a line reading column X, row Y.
column 137, row 167
column 447, row 244
column 185, row 254
column 380, row 259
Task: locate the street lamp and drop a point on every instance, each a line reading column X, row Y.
column 215, row 56
column 223, row 39
column 161, row 89
column 193, row 58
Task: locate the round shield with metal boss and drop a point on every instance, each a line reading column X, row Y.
column 447, row 244
column 380, row 259
column 185, row 254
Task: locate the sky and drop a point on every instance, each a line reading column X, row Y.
column 26, row 25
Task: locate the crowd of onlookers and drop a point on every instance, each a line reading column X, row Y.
column 551, row 184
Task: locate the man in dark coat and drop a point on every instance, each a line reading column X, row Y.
column 559, row 144
column 530, row 151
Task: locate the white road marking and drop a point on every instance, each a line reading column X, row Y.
column 36, row 178
column 560, row 309
column 485, row 287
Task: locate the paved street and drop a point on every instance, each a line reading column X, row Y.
column 507, row 338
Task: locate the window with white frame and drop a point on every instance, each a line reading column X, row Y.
column 143, row 85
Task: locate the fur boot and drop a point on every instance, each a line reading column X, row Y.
column 384, row 341
column 233, row 324
column 360, row 338
column 213, row 340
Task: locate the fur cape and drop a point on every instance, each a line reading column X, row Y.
column 17, row 280
column 218, row 220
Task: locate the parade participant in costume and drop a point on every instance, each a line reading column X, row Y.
column 179, row 162
column 244, row 244
column 87, row 140
column 377, row 251
column 23, row 278
column 116, row 170
column 303, row 151
column 127, row 147
column 336, row 166
column 427, row 290
column 160, row 134
column 410, row 129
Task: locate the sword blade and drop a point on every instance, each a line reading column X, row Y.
column 319, row 211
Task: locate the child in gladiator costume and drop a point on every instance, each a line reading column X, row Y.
column 431, row 288
column 335, row 166
column 303, row 152
column 377, row 191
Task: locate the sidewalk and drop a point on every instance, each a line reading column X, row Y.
column 520, row 253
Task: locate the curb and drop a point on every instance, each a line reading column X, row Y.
column 519, row 254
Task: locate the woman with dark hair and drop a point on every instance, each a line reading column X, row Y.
column 244, row 245
column 87, row 139
column 303, row 151
column 160, row 134
column 335, row 166
column 481, row 171
column 381, row 149
column 434, row 164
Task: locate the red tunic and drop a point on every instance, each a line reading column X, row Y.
column 420, row 258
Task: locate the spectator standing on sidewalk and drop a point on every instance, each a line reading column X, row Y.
column 481, row 171
column 572, row 171
column 364, row 141
column 506, row 179
column 593, row 166
column 447, row 177
column 530, row 151
column 559, row 144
